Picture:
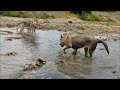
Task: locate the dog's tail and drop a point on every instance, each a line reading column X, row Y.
column 105, row 45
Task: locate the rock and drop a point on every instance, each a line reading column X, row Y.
column 82, row 28
column 118, row 76
column 38, row 63
column 24, row 69
column 9, row 39
column 17, row 37
column 102, row 49
column 25, row 76
column 80, row 32
column 41, row 61
column 59, row 30
column 115, row 39
column 114, row 72
column 35, row 66
column 60, row 61
column 11, row 54
column 30, row 67
column 70, row 22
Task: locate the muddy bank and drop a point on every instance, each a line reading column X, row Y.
column 71, row 25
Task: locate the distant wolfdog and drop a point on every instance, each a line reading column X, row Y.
column 28, row 24
column 76, row 41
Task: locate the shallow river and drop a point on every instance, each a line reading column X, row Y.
column 45, row 45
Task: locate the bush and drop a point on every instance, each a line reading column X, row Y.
column 110, row 20
column 88, row 16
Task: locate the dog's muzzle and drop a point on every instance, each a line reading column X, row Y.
column 61, row 45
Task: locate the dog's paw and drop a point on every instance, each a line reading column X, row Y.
column 74, row 52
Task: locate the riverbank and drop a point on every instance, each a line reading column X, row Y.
column 110, row 30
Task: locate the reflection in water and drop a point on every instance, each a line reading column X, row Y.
column 29, row 39
column 31, row 43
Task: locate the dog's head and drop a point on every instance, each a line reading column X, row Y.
column 36, row 22
column 63, row 39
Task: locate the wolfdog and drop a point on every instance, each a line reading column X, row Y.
column 76, row 41
column 29, row 25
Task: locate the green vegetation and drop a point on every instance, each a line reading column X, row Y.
column 25, row 14
column 15, row 14
column 45, row 15
column 83, row 15
column 88, row 16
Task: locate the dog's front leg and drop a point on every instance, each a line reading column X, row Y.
column 65, row 49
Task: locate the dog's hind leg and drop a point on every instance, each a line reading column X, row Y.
column 92, row 49
column 86, row 51
column 75, row 51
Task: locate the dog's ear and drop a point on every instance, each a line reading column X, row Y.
column 61, row 36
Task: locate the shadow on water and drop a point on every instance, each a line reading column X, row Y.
column 76, row 66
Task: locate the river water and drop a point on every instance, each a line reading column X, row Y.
column 45, row 45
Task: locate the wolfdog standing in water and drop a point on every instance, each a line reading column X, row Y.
column 29, row 25
column 76, row 41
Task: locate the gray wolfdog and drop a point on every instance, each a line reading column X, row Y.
column 76, row 41
column 29, row 25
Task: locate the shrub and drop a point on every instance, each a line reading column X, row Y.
column 88, row 16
